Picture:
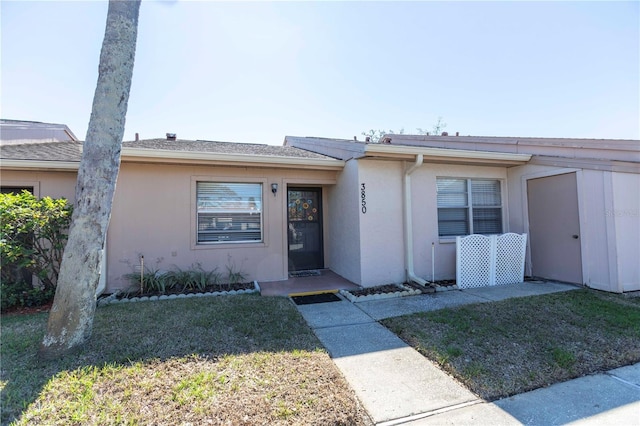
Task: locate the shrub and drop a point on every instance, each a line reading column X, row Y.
column 23, row 294
column 33, row 234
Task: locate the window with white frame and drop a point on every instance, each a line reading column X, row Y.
column 469, row 206
column 229, row 212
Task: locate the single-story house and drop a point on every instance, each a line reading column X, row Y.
column 374, row 213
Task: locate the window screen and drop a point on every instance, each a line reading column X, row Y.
column 229, row 212
column 469, row 206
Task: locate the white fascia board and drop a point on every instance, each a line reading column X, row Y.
column 445, row 153
column 38, row 164
column 240, row 159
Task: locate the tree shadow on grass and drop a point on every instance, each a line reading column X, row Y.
column 125, row 334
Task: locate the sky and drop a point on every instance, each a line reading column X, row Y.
column 258, row 71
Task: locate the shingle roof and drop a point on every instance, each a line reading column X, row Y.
column 72, row 151
column 47, row 151
column 222, row 148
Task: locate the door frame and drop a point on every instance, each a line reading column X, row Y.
column 524, row 180
column 320, row 191
column 300, row 182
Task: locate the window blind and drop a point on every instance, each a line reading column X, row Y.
column 229, row 212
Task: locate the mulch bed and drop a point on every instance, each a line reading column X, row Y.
column 382, row 289
column 208, row 289
column 24, row 310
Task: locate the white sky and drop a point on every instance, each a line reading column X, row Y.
column 255, row 72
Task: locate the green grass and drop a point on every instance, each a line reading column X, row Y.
column 503, row 348
column 225, row 360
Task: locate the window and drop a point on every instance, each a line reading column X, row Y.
column 229, row 212
column 469, row 206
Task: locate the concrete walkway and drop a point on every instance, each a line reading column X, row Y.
column 397, row 385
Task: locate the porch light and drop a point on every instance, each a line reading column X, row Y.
column 274, row 188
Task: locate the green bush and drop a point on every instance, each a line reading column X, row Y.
column 33, row 234
column 23, row 294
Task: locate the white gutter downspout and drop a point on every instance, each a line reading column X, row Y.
column 408, row 223
column 102, row 281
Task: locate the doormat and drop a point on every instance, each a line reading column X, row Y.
column 300, row 274
column 315, row 298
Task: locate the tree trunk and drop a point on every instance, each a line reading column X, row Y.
column 71, row 317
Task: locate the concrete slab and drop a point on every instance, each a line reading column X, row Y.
column 480, row 414
column 630, row 374
column 387, row 308
column 399, row 382
column 581, row 400
column 333, row 314
column 358, row 339
column 509, row 291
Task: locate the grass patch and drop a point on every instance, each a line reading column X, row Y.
column 503, row 348
column 223, row 360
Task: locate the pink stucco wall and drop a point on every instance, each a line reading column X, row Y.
column 52, row 184
column 154, row 215
column 381, row 228
column 343, row 241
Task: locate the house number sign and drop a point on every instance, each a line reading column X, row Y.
column 363, row 198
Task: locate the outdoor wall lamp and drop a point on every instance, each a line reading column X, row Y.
column 274, row 188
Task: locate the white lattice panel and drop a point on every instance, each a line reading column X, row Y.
column 490, row 260
column 472, row 261
column 510, row 254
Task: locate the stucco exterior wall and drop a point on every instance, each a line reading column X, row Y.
column 343, row 242
column 626, row 217
column 45, row 184
column 381, row 228
column 154, row 215
column 425, row 216
column 609, row 210
column 381, row 222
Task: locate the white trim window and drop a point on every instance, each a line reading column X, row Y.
column 229, row 212
column 469, row 206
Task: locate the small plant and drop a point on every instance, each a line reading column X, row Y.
column 234, row 276
column 153, row 280
column 199, row 279
column 181, row 280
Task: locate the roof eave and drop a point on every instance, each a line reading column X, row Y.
column 191, row 157
column 457, row 156
column 11, row 164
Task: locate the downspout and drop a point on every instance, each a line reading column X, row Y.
column 408, row 223
column 102, row 281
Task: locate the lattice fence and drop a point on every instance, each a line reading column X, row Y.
column 490, row 260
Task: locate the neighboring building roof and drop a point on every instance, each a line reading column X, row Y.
column 353, row 149
column 600, row 154
column 606, row 149
column 22, row 132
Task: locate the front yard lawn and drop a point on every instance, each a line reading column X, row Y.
column 218, row 360
column 509, row 347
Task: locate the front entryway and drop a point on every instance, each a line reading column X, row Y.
column 554, row 228
column 304, row 228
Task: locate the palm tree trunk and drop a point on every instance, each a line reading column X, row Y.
column 71, row 317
